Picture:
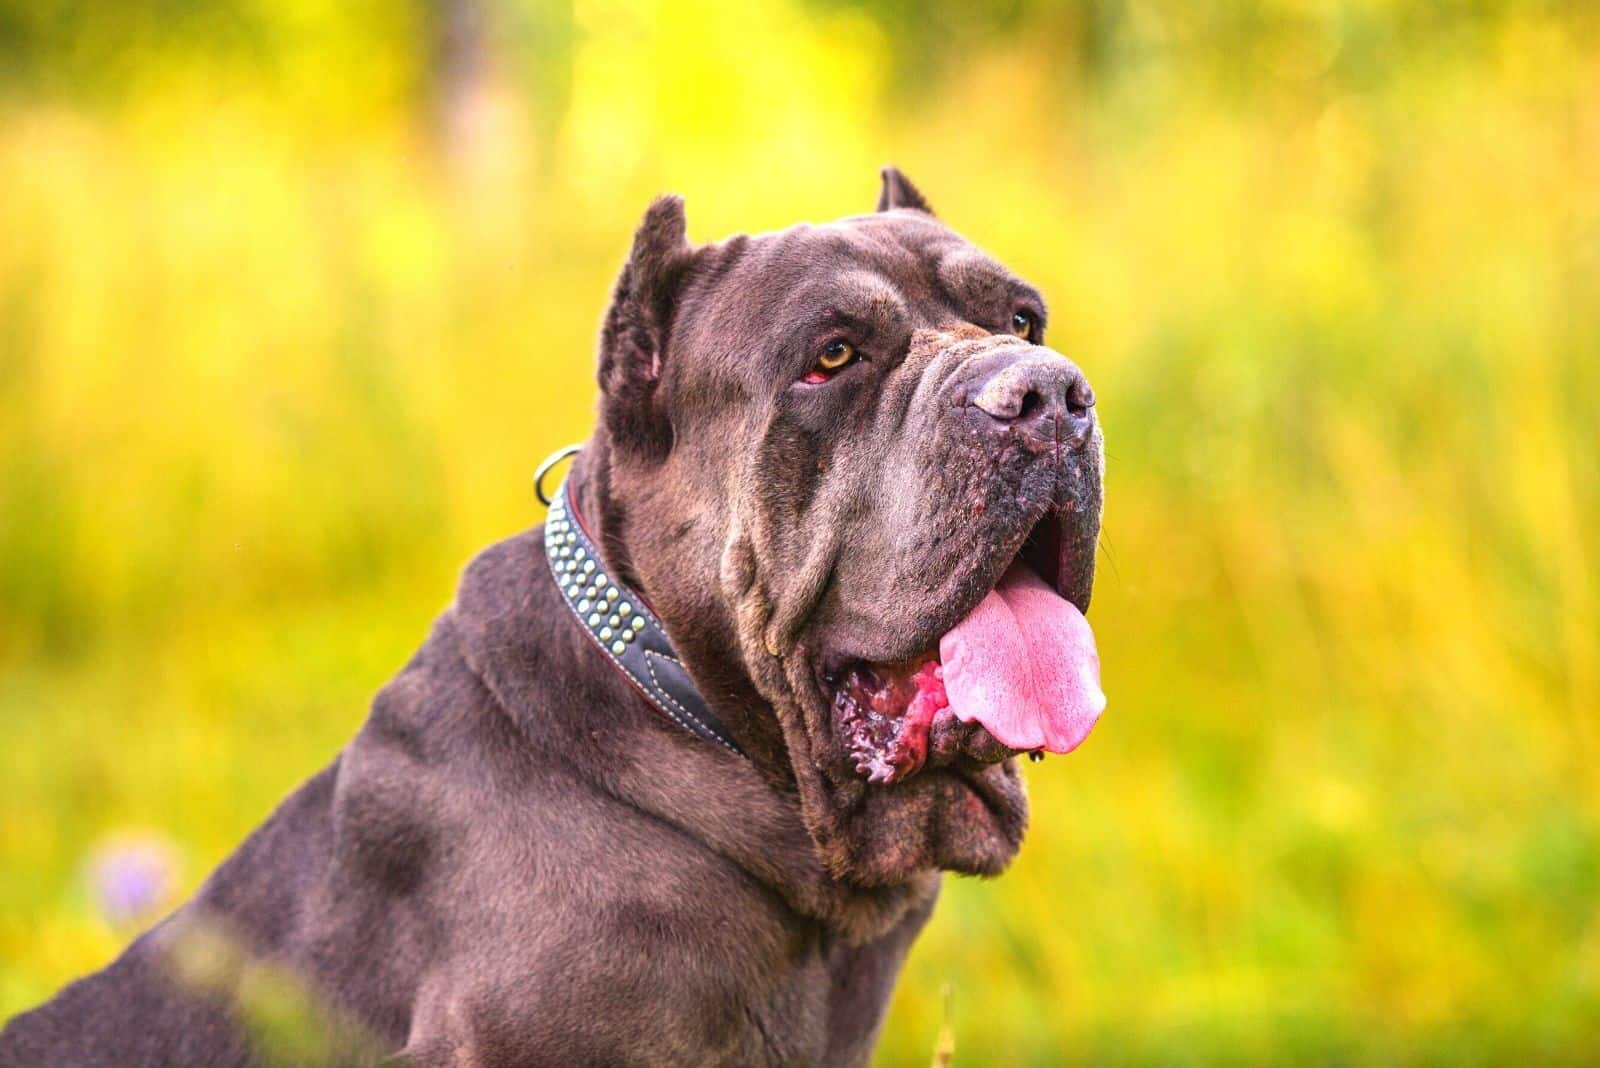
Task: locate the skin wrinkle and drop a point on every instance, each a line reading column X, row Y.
column 970, row 277
column 783, row 625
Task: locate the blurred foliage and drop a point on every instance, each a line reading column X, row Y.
column 293, row 296
column 286, row 1023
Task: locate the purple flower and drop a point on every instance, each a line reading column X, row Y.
column 132, row 876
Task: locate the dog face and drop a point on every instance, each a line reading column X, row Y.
column 863, row 494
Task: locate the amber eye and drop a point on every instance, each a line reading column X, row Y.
column 836, row 355
column 1023, row 324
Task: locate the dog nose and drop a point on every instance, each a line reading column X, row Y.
column 1038, row 390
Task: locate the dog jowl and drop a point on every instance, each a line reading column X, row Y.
column 837, row 518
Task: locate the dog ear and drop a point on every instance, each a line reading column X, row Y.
column 898, row 192
column 635, row 330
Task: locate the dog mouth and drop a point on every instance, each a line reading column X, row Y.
column 1018, row 673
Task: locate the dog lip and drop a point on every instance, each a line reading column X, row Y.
column 983, row 576
column 894, row 722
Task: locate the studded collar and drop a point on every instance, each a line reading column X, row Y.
column 622, row 626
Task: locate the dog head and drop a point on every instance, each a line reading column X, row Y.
column 864, row 498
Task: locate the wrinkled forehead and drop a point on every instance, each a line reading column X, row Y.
column 890, row 272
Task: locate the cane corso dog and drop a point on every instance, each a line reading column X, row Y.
column 674, row 778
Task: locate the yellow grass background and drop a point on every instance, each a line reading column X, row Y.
column 284, row 329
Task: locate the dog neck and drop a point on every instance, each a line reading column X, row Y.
column 569, row 707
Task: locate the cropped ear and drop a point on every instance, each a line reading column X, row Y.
column 898, row 192
column 634, row 335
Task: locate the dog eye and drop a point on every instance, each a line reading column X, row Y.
column 1024, row 325
column 836, row 356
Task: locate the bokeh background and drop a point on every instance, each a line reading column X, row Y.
column 294, row 295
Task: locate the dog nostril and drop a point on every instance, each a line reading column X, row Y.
column 1030, row 404
column 1031, row 391
column 1080, row 398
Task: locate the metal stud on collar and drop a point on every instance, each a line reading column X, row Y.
column 608, row 617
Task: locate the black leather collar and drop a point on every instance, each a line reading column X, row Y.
column 618, row 621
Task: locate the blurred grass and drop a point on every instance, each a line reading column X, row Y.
column 274, row 362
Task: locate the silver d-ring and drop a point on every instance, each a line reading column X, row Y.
column 544, row 469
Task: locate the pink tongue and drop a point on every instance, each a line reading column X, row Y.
column 1023, row 664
